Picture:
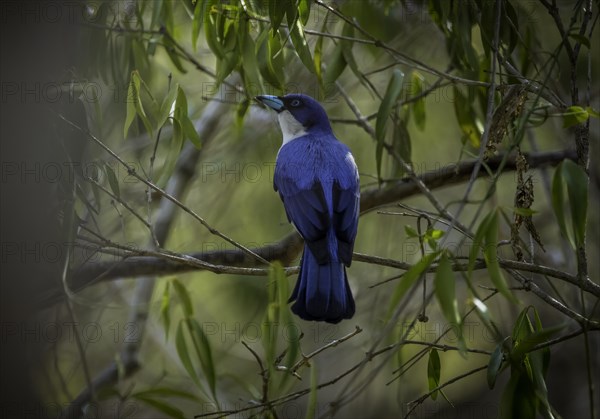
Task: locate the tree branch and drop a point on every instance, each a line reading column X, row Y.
column 289, row 247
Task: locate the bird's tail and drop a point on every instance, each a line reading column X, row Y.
column 322, row 292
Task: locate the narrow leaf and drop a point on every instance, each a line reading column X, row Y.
column 304, row 10
column 130, row 114
column 445, row 290
column 301, row 46
column 165, row 306
column 184, row 355
column 311, row 408
column 465, row 115
column 409, row 278
column 558, row 203
column 197, row 22
column 491, row 258
column 478, row 241
column 112, row 180
column 494, row 365
column 173, row 151
column 335, row 66
column 433, row 372
column 184, row 297
column 204, row 353
column 418, row 106
column 167, row 105
column 389, row 100
column 577, row 189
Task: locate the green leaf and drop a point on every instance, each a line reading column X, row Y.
column 311, row 407
column 277, row 12
column 173, row 151
column 240, row 113
column 574, row 115
column 171, row 49
column 277, row 276
column 465, row 115
column 301, row 46
column 204, row 353
column 197, row 22
column 392, row 94
column 291, row 11
column 96, row 193
column 162, row 406
column 184, row 297
column 418, row 106
column 184, row 355
column 130, row 115
column 531, row 365
column 409, row 278
column 348, row 31
column 167, row 105
column 140, row 55
column 336, row 65
column 156, row 13
column 491, row 258
column 558, row 202
column 210, row 28
column 265, row 54
column 434, row 369
column 270, row 330
column 318, row 55
column 435, row 233
column 227, row 64
column 526, row 212
column 181, row 106
column 518, row 399
column 112, row 180
column 304, row 10
column 527, row 343
column 583, row 40
column 251, row 71
column 445, row 290
column 495, row 365
column 574, row 177
column 592, row 112
column 190, row 132
column 401, row 142
column 134, row 98
column 410, row 231
column 186, row 126
column 165, row 306
column 478, row 241
column 577, row 189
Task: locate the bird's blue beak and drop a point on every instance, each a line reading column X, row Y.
column 272, row 102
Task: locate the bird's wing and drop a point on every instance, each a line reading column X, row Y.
column 346, row 202
column 307, row 210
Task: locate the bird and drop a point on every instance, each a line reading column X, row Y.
column 317, row 179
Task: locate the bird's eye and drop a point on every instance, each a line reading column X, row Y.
column 295, row 103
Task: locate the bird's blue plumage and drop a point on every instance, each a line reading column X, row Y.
column 317, row 180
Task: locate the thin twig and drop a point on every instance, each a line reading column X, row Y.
column 132, row 172
column 333, row 343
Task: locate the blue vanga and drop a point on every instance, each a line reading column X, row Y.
column 317, row 180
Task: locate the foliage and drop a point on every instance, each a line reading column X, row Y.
column 489, row 83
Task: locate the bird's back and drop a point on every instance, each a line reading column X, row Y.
column 314, row 158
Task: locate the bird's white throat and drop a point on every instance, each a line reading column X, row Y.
column 290, row 127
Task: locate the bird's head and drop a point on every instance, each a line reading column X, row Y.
column 298, row 114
